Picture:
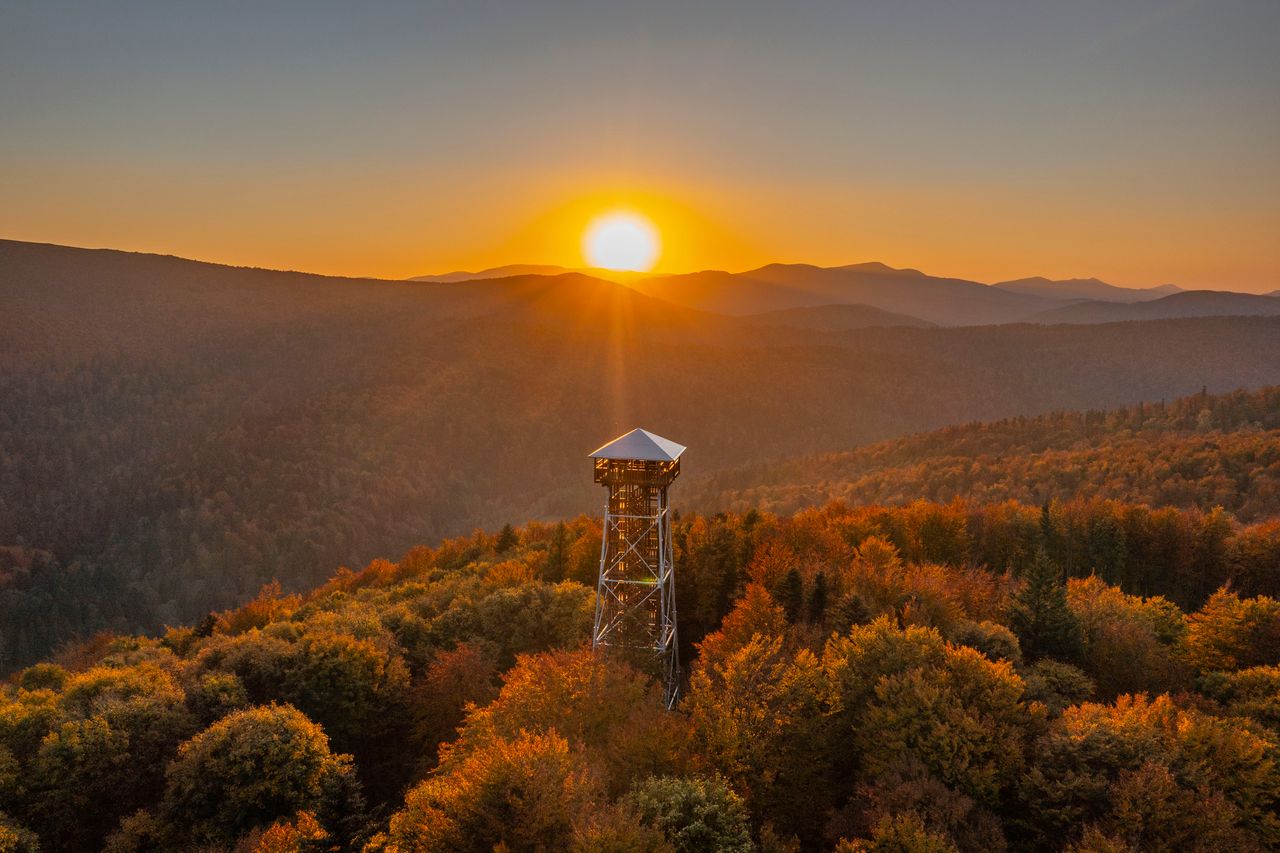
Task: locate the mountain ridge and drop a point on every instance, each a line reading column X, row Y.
column 510, row 270
column 904, row 292
column 1086, row 288
column 1186, row 303
column 943, row 301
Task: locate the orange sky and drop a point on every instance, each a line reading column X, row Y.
column 1136, row 144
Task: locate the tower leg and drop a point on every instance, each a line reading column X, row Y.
column 635, row 617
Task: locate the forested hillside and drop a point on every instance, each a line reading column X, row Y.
column 1203, row 451
column 858, row 679
column 175, row 434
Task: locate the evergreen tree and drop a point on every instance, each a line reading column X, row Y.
column 204, row 628
column 791, row 596
column 507, row 540
column 557, row 555
column 1039, row 614
column 1048, row 535
column 818, row 599
column 726, row 558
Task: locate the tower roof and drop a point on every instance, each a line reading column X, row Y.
column 643, row 445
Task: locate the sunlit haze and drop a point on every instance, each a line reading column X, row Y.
column 621, row 241
column 1131, row 141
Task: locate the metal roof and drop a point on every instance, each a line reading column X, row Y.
column 643, row 445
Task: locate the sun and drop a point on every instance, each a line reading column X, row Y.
column 621, row 241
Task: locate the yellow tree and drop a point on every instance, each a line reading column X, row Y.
column 531, row 793
column 1154, row 776
column 758, row 718
column 251, row 768
column 756, row 613
column 900, row 694
column 604, row 708
column 1233, row 633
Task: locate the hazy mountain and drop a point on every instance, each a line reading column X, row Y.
column 94, row 300
column 909, row 296
column 1086, row 288
column 510, row 270
column 1188, row 303
column 176, row 433
column 837, row 317
column 879, row 268
column 944, row 301
column 495, row 272
column 724, row 292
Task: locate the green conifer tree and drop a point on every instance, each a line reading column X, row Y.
column 791, row 596
column 557, row 555
column 1039, row 615
column 507, row 540
column 818, row 599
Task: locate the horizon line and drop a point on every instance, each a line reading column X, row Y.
column 630, row 275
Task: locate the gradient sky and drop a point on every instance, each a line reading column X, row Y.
column 1137, row 141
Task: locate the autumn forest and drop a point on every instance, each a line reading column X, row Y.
column 590, row 426
column 295, row 563
column 1081, row 675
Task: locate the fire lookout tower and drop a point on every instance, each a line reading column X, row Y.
column 636, row 593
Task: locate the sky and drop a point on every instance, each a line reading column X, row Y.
column 1138, row 142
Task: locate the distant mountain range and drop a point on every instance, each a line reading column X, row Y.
column 874, row 294
column 509, row 270
column 493, row 272
column 1086, row 288
column 943, row 301
column 1189, row 303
